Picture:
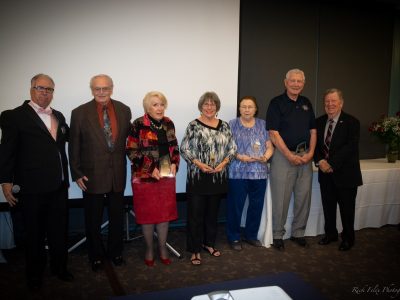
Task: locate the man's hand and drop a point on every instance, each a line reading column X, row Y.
column 7, row 191
column 295, row 159
column 81, row 183
column 324, row 166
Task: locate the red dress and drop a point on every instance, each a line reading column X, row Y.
column 154, row 201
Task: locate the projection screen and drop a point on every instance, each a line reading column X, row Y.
column 179, row 47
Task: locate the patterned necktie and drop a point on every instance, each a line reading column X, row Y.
column 328, row 139
column 107, row 128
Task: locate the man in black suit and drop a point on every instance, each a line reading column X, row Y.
column 339, row 174
column 32, row 156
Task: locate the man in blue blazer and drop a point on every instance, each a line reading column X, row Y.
column 32, row 157
column 339, row 174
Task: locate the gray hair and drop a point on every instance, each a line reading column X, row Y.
column 147, row 97
column 99, row 76
column 295, row 71
column 333, row 90
column 212, row 96
column 40, row 75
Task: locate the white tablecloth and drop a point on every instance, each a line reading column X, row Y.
column 377, row 202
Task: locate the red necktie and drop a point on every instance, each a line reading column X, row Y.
column 328, row 139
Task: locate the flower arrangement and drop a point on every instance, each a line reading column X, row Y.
column 387, row 129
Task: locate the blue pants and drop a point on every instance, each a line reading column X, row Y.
column 238, row 191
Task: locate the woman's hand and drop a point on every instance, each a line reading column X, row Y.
column 245, row 158
column 156, row 174
column 173, row 169
column 203, row 167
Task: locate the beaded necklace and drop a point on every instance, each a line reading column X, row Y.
column 159, row 127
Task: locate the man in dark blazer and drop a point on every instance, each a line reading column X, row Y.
column 99, row 129
column 339, row 174
column 33, row 158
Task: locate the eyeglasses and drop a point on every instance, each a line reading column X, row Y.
column 247, row 107
column 209, row 104
column 98, row 90
column 43, row 89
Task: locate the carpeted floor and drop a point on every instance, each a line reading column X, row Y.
column 371, row 270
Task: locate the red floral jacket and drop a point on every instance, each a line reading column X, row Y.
column 142, row 146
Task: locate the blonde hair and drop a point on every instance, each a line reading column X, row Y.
column 149, row 95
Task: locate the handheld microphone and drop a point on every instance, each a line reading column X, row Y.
column 15, row 189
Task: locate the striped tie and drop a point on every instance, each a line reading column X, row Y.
column 328, row 139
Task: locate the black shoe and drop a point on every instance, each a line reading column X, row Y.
column 327, row 239
column 97, row 266
column 65, row 276
column 118, row 261
column 236, row 245
column 301, row 241
column 255, row 243
column 34, row 284
column 345, row 246
column 278, row 244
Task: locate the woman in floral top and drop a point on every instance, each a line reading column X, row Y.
column 207, row 147
column 151, row 146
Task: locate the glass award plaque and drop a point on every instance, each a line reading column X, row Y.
column 256, row 148
column 301, row 148
column 165, row 166
column 213, row 159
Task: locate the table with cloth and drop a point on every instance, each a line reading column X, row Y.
column 377, row 202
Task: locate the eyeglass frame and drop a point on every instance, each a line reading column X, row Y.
column 40, row 88
column 98, row 90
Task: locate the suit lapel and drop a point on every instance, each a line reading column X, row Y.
column 119, row 116
column 338, row 129
column 30, row 112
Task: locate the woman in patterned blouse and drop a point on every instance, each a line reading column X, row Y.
column 247, row 173
column 207, row 147
column 153, row 150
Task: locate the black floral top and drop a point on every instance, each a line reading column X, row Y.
column 143, row 146
column 210, row 146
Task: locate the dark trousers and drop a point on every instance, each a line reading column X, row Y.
column 93, row 207
column 239, row 189
column 332, row 195
column 202, row 217
column 45, row 215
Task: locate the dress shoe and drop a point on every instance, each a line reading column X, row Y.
column 118, row 261
column 97, row 266
column 254, row 243
column 327, row 240
column 149, row 262
column 345, row 246
column 236, row 245
column 65, row 276
column 301, row 241
column 278, row 244
column 165, row 261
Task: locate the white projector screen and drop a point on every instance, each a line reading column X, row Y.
column 179, row 47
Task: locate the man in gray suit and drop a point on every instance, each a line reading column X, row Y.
column 99, row 129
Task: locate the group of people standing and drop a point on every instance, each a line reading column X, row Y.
column 223, row 159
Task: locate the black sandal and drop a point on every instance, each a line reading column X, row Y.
column 212, row 251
